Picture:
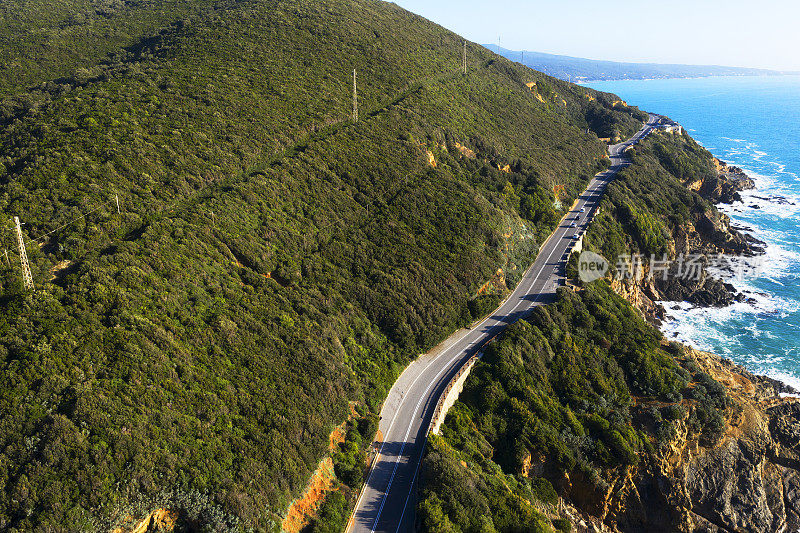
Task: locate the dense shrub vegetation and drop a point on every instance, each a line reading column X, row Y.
column 553, row 397
column 44, row 41
column 648, row 200
column 272, row 261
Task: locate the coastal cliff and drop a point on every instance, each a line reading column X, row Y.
column 704, row 234
column 746, row 481
column 707, row 236
column 584, row 417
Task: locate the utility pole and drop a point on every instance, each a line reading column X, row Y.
column 27, row 278
column 355, row 98
column 465, row 57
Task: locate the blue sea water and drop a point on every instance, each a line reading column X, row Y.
column 754, row 123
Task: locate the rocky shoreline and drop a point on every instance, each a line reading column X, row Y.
column 707, row 236
column 750, row 479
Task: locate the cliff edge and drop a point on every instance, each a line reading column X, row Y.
column 747, row 481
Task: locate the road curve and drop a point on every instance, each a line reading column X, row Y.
column 388, row 500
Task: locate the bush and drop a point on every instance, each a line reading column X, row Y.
column 543, row 490
column 480, row 306
column 332, row 515
column 349, row 464
column 562, row 524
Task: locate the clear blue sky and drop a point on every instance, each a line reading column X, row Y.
column 735, row 32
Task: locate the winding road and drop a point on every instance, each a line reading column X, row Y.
column 387, row 502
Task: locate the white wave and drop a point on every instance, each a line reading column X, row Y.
column 778, row 266
column 703, row 327
column 785, row 377
column 743, row 331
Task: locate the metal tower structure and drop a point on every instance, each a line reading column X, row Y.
column 27, row 278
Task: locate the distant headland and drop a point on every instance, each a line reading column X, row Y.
column 578, row 69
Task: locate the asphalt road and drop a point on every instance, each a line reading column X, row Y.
column 388, row 501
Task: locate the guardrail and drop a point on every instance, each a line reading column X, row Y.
column 456, row 383
column 447, row 399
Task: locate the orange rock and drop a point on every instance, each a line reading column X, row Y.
column 466, row 152
column 431, row 159
column 305, row 508
column 158, row 520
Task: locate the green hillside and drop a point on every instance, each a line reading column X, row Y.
column 562, row 404
column 582, row 392
column 43, row 41
column 272, row 263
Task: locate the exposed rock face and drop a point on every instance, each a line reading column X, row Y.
column 707, row 291
column 704, row 290
column 712, row 233
column 163, row 520
column 642, row 294
column 725, row 186
column 748, row 481
column 708, row 235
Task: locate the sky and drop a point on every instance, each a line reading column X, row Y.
column 739, row 33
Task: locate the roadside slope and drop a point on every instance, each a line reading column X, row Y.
column 273, row 264
column 388, row 500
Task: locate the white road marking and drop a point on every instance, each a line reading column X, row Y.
column 594, row 192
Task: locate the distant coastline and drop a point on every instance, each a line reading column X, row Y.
column 581, row 70
column 592, row 80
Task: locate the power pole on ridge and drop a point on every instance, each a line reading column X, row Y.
column 355, row 98
column 27, row 278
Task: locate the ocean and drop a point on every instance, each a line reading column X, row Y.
column 753, row 123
